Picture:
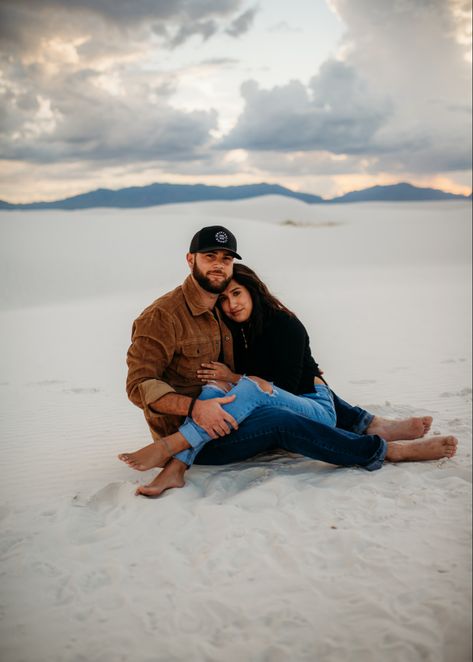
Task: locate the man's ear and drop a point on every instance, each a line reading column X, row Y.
column 190, row 257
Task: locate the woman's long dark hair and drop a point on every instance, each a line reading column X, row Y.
column 265, row 304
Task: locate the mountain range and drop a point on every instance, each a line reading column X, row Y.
column 164, row 194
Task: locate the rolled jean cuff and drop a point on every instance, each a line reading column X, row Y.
column 378, row 460
column 187, row 456
column 363, row 423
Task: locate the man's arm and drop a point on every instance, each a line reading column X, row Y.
column 151, row 351
column 208, row 414
column 152, row 348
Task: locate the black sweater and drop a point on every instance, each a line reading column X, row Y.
column 280, row 354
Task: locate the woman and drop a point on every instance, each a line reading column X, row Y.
column 271, row 342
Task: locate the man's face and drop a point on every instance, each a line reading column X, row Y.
column 213, row 270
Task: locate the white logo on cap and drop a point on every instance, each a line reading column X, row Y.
column 221, row 237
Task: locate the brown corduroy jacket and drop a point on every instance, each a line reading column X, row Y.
column 170, row 339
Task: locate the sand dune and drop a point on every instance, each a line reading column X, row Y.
column 279, row 558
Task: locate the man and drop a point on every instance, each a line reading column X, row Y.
column 177, row 333
column 183, row 329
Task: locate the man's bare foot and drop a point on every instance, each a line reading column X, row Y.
column 171, row 476
column 408, row 428
column 154, row 455
column 433, row 448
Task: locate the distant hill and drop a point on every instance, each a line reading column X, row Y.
column 165, row 194
column 397, row 193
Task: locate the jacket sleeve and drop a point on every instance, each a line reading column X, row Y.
column 288, row 353
column 152, row 348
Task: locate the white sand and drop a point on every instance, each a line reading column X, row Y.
column 277, row 559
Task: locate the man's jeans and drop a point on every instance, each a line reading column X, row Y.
column 352, row 419
column 269, row 428
column 316, row 406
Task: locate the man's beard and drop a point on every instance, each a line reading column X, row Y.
column 206, row 284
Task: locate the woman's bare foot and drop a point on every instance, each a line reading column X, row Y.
column 171, row 476
column 433, row 448
column 408, row 428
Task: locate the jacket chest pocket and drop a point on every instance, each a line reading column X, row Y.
column 192, row 354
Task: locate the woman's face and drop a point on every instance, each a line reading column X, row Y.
column 236, row 302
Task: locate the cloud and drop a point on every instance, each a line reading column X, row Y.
column 75, row 115
column 84, row 82
column 25, row 23
column 397, row 94
column 242, row 23
column 336, row 112
column 284, row 27
column 80, row 81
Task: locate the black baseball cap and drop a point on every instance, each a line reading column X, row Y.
column 214, row 238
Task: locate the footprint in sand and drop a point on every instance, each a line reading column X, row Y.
column 90, row 515
column 4, row 511
column 81, row 391
column 45, row 568
column 95, row 579
column 464, row 393
column 113, row 495
column 225, row 484
column 449, row 471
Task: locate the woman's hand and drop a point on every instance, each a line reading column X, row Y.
column 215, row 370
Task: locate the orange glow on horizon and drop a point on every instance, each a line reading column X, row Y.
column 23, row 183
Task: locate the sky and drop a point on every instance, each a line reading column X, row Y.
column 321, row 96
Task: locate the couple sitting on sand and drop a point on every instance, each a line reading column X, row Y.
column 224, row 371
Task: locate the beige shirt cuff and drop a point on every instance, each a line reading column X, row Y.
column 153, row 389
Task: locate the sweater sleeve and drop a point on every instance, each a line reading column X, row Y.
column 289, row 341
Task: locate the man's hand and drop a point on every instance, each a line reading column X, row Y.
column 211, row 416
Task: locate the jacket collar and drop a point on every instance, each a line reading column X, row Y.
column 192, row 297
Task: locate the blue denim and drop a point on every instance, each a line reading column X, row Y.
column 270, row 428
column 317, row 406
column 353, row 419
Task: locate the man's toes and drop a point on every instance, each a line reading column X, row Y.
column 144, row 490
column 127, row 460
column 137, row 466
